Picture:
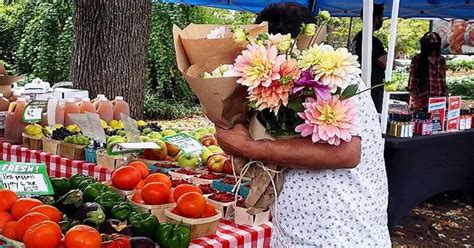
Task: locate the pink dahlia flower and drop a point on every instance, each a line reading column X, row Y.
column 328, row 121
column 258, row 65
column 271, row 97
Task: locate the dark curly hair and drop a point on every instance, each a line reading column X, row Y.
column 285, row 18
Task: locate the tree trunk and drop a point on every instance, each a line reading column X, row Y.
column 110, row 49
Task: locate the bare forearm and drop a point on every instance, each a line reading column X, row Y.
column 302, row 153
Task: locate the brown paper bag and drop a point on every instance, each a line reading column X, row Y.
column 307, row 41
column 222, row 100
column 197, row 48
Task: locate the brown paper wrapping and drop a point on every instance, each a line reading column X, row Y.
column 198, row 48
column 222, row 100
column 305, row 40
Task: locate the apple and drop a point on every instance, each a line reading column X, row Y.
column 208, row 140
column 216, row 162
column 205, row 154
column 154, row 135
column 198, row 135
column 215, row 149
column 188, row 161
column 201, row 130
column 228, row 167
column 168, row 132
column 156, row 154
column 172, row 149
column 144, row 138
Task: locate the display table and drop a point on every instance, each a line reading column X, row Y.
column 228, row 233
column 420, row 167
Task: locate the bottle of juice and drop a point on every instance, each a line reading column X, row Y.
column 55, row 112
column 4, row 103
column 120, row 106
column 87, row 106
column 105, row 109
column 14, row 124
column 70, row 107
column 95, row 101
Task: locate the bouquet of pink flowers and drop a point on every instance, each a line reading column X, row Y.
column 299, row 92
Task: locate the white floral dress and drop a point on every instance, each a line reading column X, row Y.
column 338, row 208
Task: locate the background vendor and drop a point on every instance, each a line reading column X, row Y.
column 427, row 73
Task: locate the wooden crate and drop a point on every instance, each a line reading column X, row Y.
column 51, row 146
column 110, row 161
column 32, row 142
column 72, row 151
column 200, row 227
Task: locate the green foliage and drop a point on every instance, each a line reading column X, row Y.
column 38, row 38
column 461, row 86
column 408, row 34
column 460, row 65
column 156, row 106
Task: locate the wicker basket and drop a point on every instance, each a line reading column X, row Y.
column 72, row 151
column 32, row 142
column 200, row 227
column 110, row 161
column 16, row 244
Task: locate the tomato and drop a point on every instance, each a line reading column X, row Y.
column 142, row 167
column 185, row 188
column 46, row 234
column 126, row 178
column 82, row 236
column 209, row 211
column 137, row 197
column 175, row 211
column 7, row 199
column 9, row 230
column 23, row 205
column 48, row 210
column 191, row 205
column 156, row 193
column 171, row 198
column 5, row 217
column 140, row 185
column 27, row 221
column 115, row 241
column 158, row 177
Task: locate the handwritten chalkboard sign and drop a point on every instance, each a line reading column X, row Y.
column 25, row 178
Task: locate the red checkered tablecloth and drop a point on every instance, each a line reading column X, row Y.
column 228, row 235
column 57, row 166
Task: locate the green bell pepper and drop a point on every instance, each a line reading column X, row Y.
column 173, row 235
column 86, row 182
column 60, row 186
column 109, row 199
column 76, row 180
column 93, row 190
column 121, row 211
column 143, row 224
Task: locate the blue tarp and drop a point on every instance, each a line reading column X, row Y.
column 463, row 9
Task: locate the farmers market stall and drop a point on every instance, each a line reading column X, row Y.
column 423, row 166
column 228, row 233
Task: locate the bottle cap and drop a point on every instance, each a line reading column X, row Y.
column 119, row 98
column 1, row 94
column 21, row 99
column 103, row 99
column 86, row 99
column 70, row 100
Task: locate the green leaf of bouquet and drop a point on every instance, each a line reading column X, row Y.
column 349, row 91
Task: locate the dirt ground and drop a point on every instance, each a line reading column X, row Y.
column 446, row 220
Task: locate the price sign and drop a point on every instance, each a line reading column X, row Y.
column 133, row 134
column 25, row 178
column 33, row 112
column 185, row 142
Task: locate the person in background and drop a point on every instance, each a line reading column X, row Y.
column 379, row 56
column 285, row 18
column 427, row 72
column 332, row 196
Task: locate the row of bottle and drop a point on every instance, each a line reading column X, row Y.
column 107, row 110
column 401, row 126
column 465, row 119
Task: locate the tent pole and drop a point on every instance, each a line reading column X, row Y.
column 349, row 37
column 390, row 59
column 368, row 20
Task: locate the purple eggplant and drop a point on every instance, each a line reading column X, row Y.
column 90, row 213
column 115, row 226
column 142, row 242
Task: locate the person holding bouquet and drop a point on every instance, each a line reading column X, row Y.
column 335, row 190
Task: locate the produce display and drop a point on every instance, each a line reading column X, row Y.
column 77, row 139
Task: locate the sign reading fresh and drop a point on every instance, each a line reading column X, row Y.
column 25, row 178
